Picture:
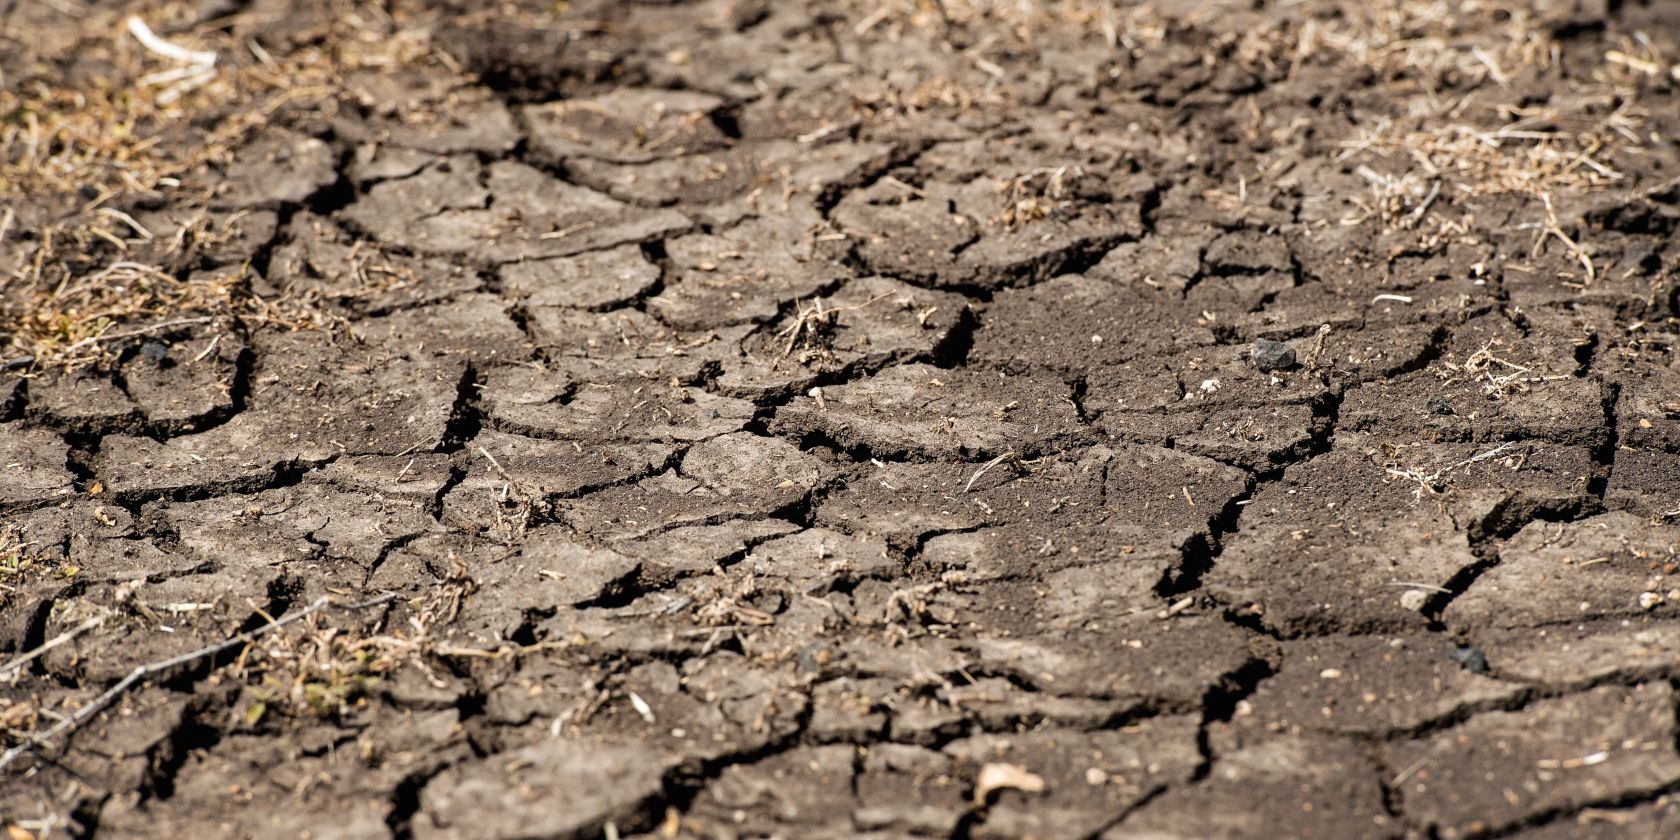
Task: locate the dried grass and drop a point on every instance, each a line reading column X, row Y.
column 1429, row 149
column 1036, row 195
column 882, row 102
column 104, row 121
column 1432, row 145
column 17, row 562
column 1124, row 24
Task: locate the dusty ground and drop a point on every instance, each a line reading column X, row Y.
column 747, row 419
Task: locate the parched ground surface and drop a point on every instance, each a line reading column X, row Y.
column 785, row 419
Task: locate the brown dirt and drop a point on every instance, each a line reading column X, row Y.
column 730, row 418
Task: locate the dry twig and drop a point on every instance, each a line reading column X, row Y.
column 76, row 719
column 1428, row 483
column 15, row 667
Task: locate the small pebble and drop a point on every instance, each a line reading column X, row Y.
column 1471, row 658
column 154, row 352
column 1273, row 355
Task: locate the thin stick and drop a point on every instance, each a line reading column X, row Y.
column 181, row 322
column 85, row 713
column 1426, row 482
column 16, row 665
column 512, row 482
column 1407, row 773
column 151, row 41
column 1409, row 584
column 1417, row 215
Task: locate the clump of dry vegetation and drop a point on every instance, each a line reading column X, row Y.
column 101, row 120
column 1436, row 140
column 1457, row 128
column 1036, row 195
column 1451, row 131
column 317, row 670
column 16, row 560
column 1120, row 23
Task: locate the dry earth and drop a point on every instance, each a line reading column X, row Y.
column 736, row 418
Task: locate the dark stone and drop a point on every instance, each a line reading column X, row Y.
column 1472, row 659
column 1273, row 355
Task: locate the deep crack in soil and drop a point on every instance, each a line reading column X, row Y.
column 849, row 419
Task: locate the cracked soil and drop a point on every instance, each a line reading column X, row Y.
column 771, row 418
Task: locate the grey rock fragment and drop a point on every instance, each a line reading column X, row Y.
column 1272, row 355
